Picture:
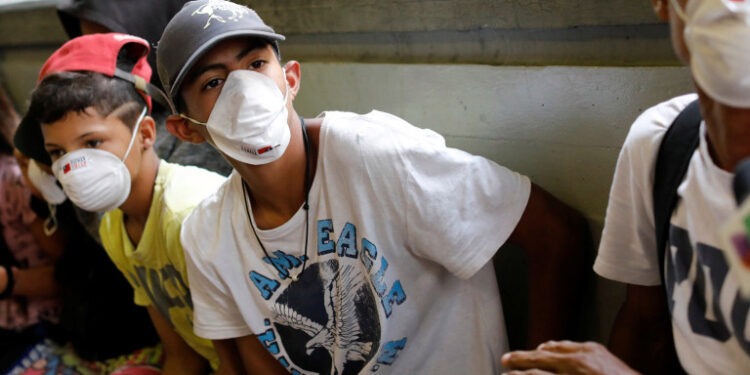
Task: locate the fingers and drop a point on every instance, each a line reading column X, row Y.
column 566, row 346
column 529, row 372
column 534, row 359
column 565, row 357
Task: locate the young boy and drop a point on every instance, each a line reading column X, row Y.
column 92, row 108
column 357, row 243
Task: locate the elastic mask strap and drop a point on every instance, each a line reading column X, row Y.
column 680, row 12
column 135, row 131
column 50, row 224
column 286, row 96
column 186, row 117
column 286, row 84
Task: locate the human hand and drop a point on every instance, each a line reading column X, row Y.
column 557, row 357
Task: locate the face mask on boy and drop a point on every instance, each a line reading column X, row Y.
column 717, row 34
column 249, row 120
column 45, row 183
column 96, row 180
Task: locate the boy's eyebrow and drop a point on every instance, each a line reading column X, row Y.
column 218, row 66
column 84, row 135
column 49, row 144
column 247, row 50
column 207, row 68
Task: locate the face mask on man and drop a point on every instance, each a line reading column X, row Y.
column 96, row 180
column 249, row 120
column 717, row 34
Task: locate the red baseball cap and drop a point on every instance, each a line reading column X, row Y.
column 112, row 54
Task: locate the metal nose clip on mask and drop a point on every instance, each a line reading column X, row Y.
column 249, row 120
column 96, row 180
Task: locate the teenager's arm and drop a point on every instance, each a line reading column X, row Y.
column 36, row 282
column 554, row 237
column 246, row 355
column 180, row 359
column 229, row 358
column 642, row 332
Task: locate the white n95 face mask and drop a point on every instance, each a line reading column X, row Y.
column 45, row 183
column 717, row 34
column 249, row 120
column 96, row 180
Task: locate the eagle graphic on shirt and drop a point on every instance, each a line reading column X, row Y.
column 350, row 334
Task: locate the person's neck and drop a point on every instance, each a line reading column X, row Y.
column 136, row 208
column 277, row 189
column 727, row 131
column 728, row 142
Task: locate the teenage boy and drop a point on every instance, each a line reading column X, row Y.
column 346, row 243
column 687, row 301
column 92, row 108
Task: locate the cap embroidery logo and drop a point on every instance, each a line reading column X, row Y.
column 229, row 12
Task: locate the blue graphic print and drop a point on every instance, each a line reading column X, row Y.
column 705, row 315
column 328, row 322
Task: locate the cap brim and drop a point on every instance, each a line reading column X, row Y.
column 198, row 53
column 30, row 141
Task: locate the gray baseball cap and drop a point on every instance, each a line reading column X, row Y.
column 197, row 27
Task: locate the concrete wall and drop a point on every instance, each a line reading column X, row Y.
column 561, row 126
column 546, row 87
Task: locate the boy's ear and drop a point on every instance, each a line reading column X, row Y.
column 147, row 129
column 182, row 129
column 293, row 77
column 661, row 8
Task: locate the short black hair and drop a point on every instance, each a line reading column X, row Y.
column 64, row 92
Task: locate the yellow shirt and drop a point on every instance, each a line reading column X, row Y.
column 156, row 267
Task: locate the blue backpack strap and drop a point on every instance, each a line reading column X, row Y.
column 672, row 162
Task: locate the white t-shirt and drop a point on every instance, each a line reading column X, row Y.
column 709, row 316
column 401, row 229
